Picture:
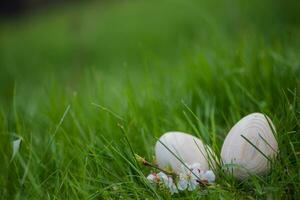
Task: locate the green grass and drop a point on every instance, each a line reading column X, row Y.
column 76, row 82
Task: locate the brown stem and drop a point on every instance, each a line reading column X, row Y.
column 146, row 163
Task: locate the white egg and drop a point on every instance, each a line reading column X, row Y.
column 188, row 148
column 243, row 158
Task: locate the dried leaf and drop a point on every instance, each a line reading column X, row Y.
column 16, row 147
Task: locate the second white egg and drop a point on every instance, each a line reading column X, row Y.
column 249, row 146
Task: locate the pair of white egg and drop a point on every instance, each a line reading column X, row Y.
column 247, row 149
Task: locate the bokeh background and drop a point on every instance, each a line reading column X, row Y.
column 42, row 40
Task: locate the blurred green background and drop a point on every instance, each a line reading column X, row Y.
column 63, row 40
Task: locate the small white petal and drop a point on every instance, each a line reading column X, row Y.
column 209, row 176
column 182, row 184
column 192, row 185
column 173, row 189
column 151, row 177
column 168, row 182
column 196, row 174
column 163, row 177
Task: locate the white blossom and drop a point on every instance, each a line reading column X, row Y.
column 208, row 176
column 167, row 181
column 189, row 176
column 152, row 177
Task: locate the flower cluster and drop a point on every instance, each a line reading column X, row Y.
column 189, row 178
column 166, row 180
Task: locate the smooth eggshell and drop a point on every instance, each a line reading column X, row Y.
column 188, row 148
